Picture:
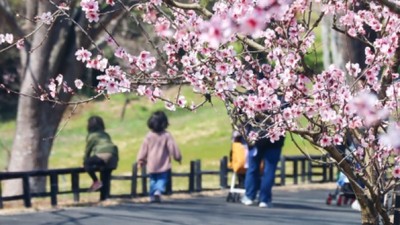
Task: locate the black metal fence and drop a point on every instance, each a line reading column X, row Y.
column 292, row 169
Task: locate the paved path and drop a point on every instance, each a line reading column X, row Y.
column 300, row 207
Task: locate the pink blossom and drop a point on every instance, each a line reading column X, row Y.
column 366, row 105
column 223, row 68
column 67, row 88
column 156, row 2
column 253, row 136
column 162, row 28
column 150, row 15
column 89, row 5
column 120, row 52
column 78, row 84
column 63, row 6
column 157, row 92
column 325, row 140
column 148, row 92
column 396, row 172
column 353, row 69
column 115, row 72
column 21, row 44
column 92, row 16
column 181, row 101
column 9, row 38
column 253, row 22
column 170, row 106
column 46, row 18
column 287, row 114
column 216, row 31
column 52, row 87
column 391, row 137
column 141, row 89
column 124, row 85
column 155, row 74
column 98, row 63
column 110, row 2
column 83, row 55
column 110, row 40
column 59, row 79
column 337, row 139
column 112, row 87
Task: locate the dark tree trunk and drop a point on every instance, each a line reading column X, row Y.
column 37, row 121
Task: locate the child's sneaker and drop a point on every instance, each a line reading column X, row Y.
column 265, row 205
column 246, row 201
column 157, row 196
column 96, row 186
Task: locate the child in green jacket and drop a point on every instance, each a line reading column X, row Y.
column 100, row 151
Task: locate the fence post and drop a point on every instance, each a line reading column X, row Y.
column 309, row 171
column 144, row 180
column 191, row 176
column 106, row 180
column 75, row 185
column 295, row 178
column 198, row 175
column 223, row 172
column 1, row 196
column 27, row 191
column 324, row 169
column 331, row 168
column 53, row 188
column 134, row 180
column 168, row 186
column 303, row 170
column 283, row 170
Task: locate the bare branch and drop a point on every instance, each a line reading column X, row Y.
column 189, row 6
column 55, row 101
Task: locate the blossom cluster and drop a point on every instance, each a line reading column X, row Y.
column 200, row 48
column 277, row 85
column 8, row 38
column 251, row 54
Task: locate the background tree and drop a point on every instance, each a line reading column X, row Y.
column 45, row 53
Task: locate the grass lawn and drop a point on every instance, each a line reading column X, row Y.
column 204, row 134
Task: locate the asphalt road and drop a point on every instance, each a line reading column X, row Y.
column 300, row 207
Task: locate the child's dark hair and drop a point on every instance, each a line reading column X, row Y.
column 158, row 121
column 95, row 123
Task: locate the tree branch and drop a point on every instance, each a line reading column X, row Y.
column 189, row 6
column 393, row 7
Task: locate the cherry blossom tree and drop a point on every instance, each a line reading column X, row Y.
column 252, row 55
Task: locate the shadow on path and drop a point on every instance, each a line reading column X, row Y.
column 299, row 208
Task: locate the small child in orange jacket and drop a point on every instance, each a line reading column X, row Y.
column 238, row 157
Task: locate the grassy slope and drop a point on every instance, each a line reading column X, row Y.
column 204, row 134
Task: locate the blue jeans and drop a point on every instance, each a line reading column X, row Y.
column 252, row 181
column 158, row 182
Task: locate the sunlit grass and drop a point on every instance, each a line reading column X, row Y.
column 204, row 134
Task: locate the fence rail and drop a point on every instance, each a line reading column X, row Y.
column 294, row 167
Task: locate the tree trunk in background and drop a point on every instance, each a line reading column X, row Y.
column 339, row 49
column 37, row 121
column 32, row 141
